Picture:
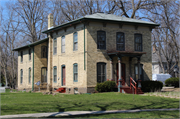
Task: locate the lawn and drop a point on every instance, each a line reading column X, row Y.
column 153, row 114
column 22, row 103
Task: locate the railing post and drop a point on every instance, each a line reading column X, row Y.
column 135, row 88
column 130, row 83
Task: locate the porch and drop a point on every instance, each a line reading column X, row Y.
column 126, row 70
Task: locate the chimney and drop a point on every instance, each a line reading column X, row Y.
column 50, row 21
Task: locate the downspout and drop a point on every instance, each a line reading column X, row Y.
column 33, row 72
column 84, row 49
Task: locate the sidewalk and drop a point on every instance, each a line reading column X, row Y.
column 70, row 113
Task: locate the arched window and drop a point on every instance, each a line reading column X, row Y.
column 55, row 46
column 120, row 41
column 21, row 81
column 101, row 40
column 63, row 44
column 75, row 72
column 55, row 74
column 138, row 42
column 75, row 41
column 43, row 51
column 63, row 75
column 101, row 72
column 30, row 54
column 29, row 74
column 21, row 56
column 44, row 74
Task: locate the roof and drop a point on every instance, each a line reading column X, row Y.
column 104, row 17
column 32, row 44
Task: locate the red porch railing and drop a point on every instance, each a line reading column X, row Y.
column 132, row 85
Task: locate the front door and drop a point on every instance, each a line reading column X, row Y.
column 123, row 75
column 63, row 76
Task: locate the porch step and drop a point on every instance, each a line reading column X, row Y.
column 61, row 90
column 130, row 91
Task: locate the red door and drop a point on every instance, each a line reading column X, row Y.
column 64, row 76
column 123, row 76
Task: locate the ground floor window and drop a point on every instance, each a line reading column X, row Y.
column 44, row 74
column 101, row 72
column 29, row 75
column 136, row 71
column 21, row 76
column 75, row 72
column 55, row 74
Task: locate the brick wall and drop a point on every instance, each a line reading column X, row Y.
column 25, row 65
column 95, row 55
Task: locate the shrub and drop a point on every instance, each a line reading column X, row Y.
column 106, row 86
column 151, row 86
column 172, row 82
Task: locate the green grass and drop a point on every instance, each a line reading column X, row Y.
column 22, row 103
column 153, row 114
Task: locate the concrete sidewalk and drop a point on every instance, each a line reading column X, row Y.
column 70, row 113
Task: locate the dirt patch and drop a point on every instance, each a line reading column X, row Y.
column 171, row 90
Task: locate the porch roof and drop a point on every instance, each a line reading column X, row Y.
column 125, row 53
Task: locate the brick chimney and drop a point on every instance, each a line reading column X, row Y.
column 50, row 21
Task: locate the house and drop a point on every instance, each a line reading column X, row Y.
column 156, row 66
column 81, row 53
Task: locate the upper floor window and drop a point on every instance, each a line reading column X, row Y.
column 44, row 52
column 101, row 40
column 63, row 44
column 21, row 81
column 55, row 46
column 55, row 74
column 120, row 41
column 101, row 72
column 75, row 41
column 21, row 56
column 75, row 72
column 29, row 54
column 30, row 75
column 43, row 74
column 138, row 42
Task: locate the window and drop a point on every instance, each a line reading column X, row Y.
column 21, row 81
column 55, row 46
column 63, row 75
column 136, row 71
column 120, row 41
column 138, row 42
column 43, row 74
column 21, row 56
column 101, row 72
column 75, row 72
column 101, row 40
column 30, row 75
column 44, row 51
column 55, row 74
column 29, row 54
column 63, row 44
column 75, row 40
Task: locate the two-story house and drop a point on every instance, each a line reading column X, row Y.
column 81, row 53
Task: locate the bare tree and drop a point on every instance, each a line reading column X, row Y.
column 33, row 18
column 165, row 38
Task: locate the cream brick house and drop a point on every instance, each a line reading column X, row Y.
column 91, row 49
